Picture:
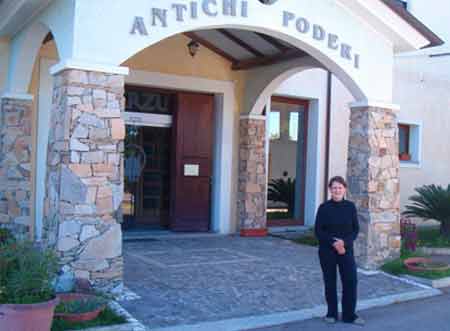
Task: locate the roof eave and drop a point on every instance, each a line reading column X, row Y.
column 433, row 38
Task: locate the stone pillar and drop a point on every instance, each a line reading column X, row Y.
column 252, row 177
column 15, row 165
column 373, row 175
column 85, row 176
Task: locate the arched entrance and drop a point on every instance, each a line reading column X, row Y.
column 96, row 164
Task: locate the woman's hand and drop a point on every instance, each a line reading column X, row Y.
column 339, row 246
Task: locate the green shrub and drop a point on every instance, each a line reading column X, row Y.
column 106, row 317
column 26, row 273
column 431, row 237
column 6, row 236
column 431, row 202
column 283, row 190
column 80, row 306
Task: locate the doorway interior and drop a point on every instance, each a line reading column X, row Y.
column 167, row 160
column 288, row 131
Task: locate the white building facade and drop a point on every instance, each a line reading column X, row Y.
column 155, row 114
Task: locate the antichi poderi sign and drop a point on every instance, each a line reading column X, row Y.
column 182, row 12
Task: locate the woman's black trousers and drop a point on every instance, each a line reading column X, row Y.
column 330, row 260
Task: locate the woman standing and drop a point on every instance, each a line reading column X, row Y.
column 336, row 228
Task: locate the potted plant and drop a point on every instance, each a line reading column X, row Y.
column 420, row 264
column 79, row 307
column 27, row 298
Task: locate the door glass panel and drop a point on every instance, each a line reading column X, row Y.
column 293, row 125
column 155, row 176
column 146, row 161
column 274, row 125
column 134, row 160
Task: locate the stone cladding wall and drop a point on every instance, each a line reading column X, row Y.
column 374, row 184
column 15, row 166
column 252, row 177
column 85, row 176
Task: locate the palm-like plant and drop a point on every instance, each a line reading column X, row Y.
column 283, row 190
column 431, row 202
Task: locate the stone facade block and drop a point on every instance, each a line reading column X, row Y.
column 81, row 218
column 15, row 166
column 252, row 177
column 118, row 128
column 374, row 185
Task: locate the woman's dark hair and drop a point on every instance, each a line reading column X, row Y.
column 337, row 179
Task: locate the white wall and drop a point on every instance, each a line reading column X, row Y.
column 97, row 34
column 42, row 127
column 422, row 89
column 4, row 59
column 424, row 98
column 102, row 25
column 435, row 14
column 57, row 18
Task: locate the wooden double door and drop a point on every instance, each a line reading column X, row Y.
column 173, row 189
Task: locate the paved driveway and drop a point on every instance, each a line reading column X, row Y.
column 188, row 281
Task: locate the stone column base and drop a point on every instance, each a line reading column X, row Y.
column 254, row 232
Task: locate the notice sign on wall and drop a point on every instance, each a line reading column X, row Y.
column 193, row 10
column 191, row 170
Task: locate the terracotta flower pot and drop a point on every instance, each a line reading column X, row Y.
column 405, row 157
column 27, row 317
column 78, row 317
column 424, row 264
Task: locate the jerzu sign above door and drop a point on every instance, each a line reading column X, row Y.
column 193, row 10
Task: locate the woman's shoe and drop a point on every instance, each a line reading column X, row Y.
column 359, row 321
column 329, row 320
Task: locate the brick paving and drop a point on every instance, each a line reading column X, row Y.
column 188, row 281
